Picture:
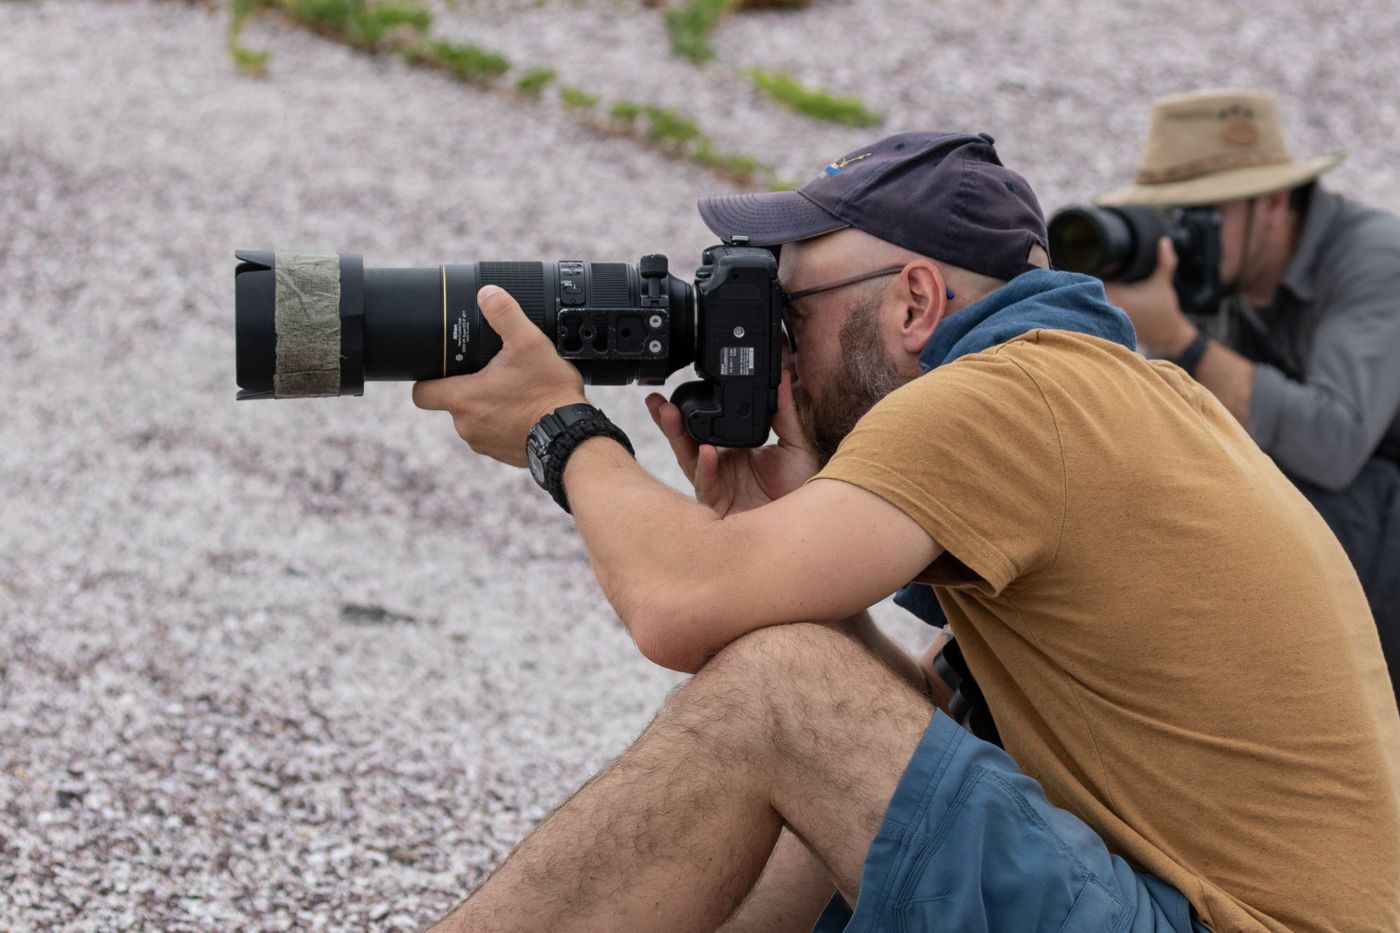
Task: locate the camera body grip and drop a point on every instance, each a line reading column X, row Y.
column 738, row 351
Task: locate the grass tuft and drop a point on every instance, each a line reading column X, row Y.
column 576, row 98
column 465, row 61
column 534, row 81
column 690, row 26
column 665, row 125
column 625, row 111
column 252, row 62
column 360, row 23
column 811, row 102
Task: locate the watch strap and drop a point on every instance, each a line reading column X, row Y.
column 1190, row 358
column 577, row 423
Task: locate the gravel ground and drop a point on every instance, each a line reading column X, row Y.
column 312, row 664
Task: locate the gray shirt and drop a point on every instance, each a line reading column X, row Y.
column 1327, row 381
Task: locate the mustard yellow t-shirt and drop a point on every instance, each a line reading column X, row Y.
column 1171, row 640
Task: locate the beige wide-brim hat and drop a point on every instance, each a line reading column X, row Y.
column 1209, row 147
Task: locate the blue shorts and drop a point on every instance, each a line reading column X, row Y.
column 969, row 843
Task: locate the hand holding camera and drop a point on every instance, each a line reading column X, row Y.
column 738, row 479
column 494, row 409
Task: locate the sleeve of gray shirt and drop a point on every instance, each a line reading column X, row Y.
column 1326, row 428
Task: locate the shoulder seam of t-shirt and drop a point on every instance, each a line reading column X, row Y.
column 1064, row 467
column 1005, row 570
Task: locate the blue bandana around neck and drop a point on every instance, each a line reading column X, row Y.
column 1036, row 300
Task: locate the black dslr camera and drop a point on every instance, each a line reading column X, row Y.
column 313, row 325
column 1119, row 244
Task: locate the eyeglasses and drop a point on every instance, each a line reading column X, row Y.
column 789, row 297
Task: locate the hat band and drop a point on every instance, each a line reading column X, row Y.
column 1224, row 161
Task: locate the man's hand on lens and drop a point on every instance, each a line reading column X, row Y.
column 1154, row 308
column 738, row 479
column 495, row 409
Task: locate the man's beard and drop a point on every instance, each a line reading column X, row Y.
column 865, row 375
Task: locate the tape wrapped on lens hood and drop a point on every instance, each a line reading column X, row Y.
column 307, row 320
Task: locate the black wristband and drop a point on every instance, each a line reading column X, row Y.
column 555, row 438
column 1190, row 358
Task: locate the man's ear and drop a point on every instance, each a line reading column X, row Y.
column 925, row 299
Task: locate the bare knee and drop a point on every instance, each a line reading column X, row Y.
column 800, row 650
column 780, row 685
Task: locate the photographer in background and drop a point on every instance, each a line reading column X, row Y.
column 1156, row 617
column 1305, row 347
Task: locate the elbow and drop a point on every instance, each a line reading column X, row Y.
column 663, row 645
column 666, row 633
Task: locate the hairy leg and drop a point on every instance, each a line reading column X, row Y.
column 790, row 894
column 794, row 725
column 795, row 886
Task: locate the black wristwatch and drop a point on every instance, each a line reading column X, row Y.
column 1189, row 358
column 554, row 438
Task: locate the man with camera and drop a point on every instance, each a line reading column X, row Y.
column 1303, row 345
column 1198, row 731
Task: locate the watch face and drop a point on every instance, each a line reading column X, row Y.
column 532, row 453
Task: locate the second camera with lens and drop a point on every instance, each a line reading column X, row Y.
column 1119, row 244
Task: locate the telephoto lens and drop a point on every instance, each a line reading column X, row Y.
column 322, row 324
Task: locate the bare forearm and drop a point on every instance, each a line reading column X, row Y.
column 687, row 582
column 646, row 542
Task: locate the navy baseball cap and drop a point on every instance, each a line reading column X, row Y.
column 942, row 195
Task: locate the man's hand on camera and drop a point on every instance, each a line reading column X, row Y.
column 495, row 409
column 1154, row 308
column 738, row 479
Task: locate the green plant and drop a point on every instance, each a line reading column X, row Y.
column 733, row 164
column 377, row 20
column 576, row 98
column 704, row 154
column 249, row 61
column 360, row 23
column 465, row 61
column 534, row 80
column 690, row 26
column 665, row 125
column 252, row 62
column 744, row 166
column 625, row 111
column 811, row 102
